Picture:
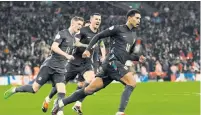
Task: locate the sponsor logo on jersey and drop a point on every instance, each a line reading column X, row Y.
column 57, row 36
column 125, row 67
column 111, row 28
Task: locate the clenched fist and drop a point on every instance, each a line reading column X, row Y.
column 86, row 54
column 142, row 59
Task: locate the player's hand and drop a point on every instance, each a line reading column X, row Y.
column 69, row 57
column 142, row 59
column 129, row 63
column 79, row 44
column 86, row 54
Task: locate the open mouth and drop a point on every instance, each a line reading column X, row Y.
column 97, row 24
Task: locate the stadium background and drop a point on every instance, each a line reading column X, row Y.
column 170, row 31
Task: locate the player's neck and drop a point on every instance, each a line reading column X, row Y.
column 130, row 26
column 71, row 30
column 93, row 29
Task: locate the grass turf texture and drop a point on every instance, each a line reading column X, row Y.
column 147, row 99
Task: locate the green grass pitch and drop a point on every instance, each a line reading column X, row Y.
column 164, row 98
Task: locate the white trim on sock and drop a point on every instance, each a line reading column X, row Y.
column 119, row 113
column 78, row 103
column 60, row 113
column 47, row 99
column 61, row 104
column 14, row 89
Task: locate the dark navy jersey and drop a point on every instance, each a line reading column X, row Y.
column 122, row 39
column 66, row 44
column 85, row 35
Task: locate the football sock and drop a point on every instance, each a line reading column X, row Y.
column 53, row 92
column 125, row 97
column 25, row 88
column 85, row 85
column 79, row 94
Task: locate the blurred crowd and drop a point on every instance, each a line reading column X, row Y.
column 172, row 38
column 170, row 34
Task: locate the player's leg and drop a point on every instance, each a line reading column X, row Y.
column 78, row 104
column 60, row 95
column 97, row 84
column 128, row 80
column 80, row 84
column 68, row 76
column 48, row 98
column 53, row 92
column 130, row 85
column 72, row 71
column 59, row 80
column 41, row 79
column 87, row 75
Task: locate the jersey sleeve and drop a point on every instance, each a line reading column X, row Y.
column 58, row 38
column 113, row 30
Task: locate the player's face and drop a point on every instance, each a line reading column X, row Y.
column 135, row 20
column 77, row 25
column 96, row 21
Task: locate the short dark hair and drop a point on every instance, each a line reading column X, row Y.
column 95, row 14
column 87, row 21
column 132, row 12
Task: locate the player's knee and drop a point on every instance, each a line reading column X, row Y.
column 89, row 76
column 35, row 89
column 133, row 84
column 89, row 91
column 89, row 80
column 129, row 79
column 61, row 87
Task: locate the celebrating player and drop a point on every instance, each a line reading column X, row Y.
column 113, row 68
column 54, row 67
column 80, row 66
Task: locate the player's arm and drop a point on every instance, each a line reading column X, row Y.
column 56, row 49
column 103, row 50
column 105, row 33
column 135, row 57
column 77, row 40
